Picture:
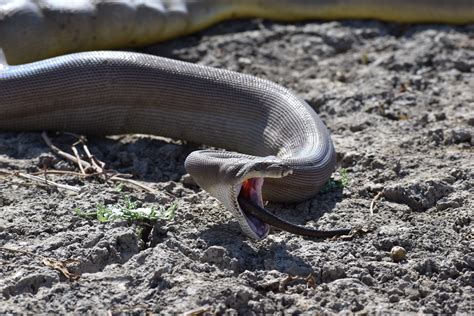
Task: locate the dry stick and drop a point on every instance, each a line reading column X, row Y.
column 142, row 186
column 63, row 154
column 100, row 165
column 76, row 154
column 78, row 174
column 44, row 173
column 43, row 181
column 136, row 183
column 372, row 204
column 96, row 167
column 198, row 311
column 72, row 173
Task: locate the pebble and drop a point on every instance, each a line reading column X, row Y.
column 398, row 253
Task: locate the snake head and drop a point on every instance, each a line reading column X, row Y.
column 249, row 182
column 227, row 175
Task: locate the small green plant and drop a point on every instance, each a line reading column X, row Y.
column 337, row 184
column 344, row 181
column 364, row 58
column 119, row 187
column 126, row 209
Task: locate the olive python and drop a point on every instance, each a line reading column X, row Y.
column 277, row 148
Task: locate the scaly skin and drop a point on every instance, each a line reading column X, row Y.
column 272, row 134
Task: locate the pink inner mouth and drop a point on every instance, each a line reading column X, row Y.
column 252, row 190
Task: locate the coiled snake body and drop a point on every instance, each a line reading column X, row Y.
column 278, row 148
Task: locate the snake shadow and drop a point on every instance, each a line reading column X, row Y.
column 253, row 255
column 275, row 254
column 146, row 158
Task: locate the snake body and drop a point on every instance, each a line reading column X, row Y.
column 36, row 29
column 278, row 148
column 105, row 92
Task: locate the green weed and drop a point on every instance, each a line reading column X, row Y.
column 332, row 184
column 126, row 209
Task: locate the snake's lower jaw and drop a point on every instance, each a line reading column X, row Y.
column 252, row 190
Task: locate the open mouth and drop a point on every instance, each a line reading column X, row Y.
column 259, row 219
column 251, row 190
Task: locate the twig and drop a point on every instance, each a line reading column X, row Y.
column 63, row 154
column 94, row 164
column 99, row 165
column 66, row 172
column 198, row 311
column 140, row 185
column 49, row 182
column 135, row 183
column 78, row 174
column 76, row 154
column 372, row 204
column 43, row 181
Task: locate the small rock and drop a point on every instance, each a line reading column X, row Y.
column 214, row 254
column 427, row 267
column 46, row 161
column 398, row 253
column 127, row 244
column 458, row 136
column 444, row 204
column 357, row 127
column 412, row 293
column 377, row 164
column 436, row 135
column 470, row 121
column 462, row 66
column 356, row 306
column 271, row 281
column 441, row 116
column 368, row 280
column 244, row 61
column 331, row 273
column 350, row 158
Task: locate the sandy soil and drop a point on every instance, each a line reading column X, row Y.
column 399, row 101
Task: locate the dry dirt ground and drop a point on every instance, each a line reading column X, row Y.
column 399, row 102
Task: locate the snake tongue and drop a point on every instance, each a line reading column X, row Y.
column 252, row 190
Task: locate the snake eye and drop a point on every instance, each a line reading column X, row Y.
column 260, row 166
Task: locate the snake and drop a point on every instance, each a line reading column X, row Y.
column 31, row 30
column 276, row 147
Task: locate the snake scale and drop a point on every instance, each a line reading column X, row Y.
column 278, row 149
